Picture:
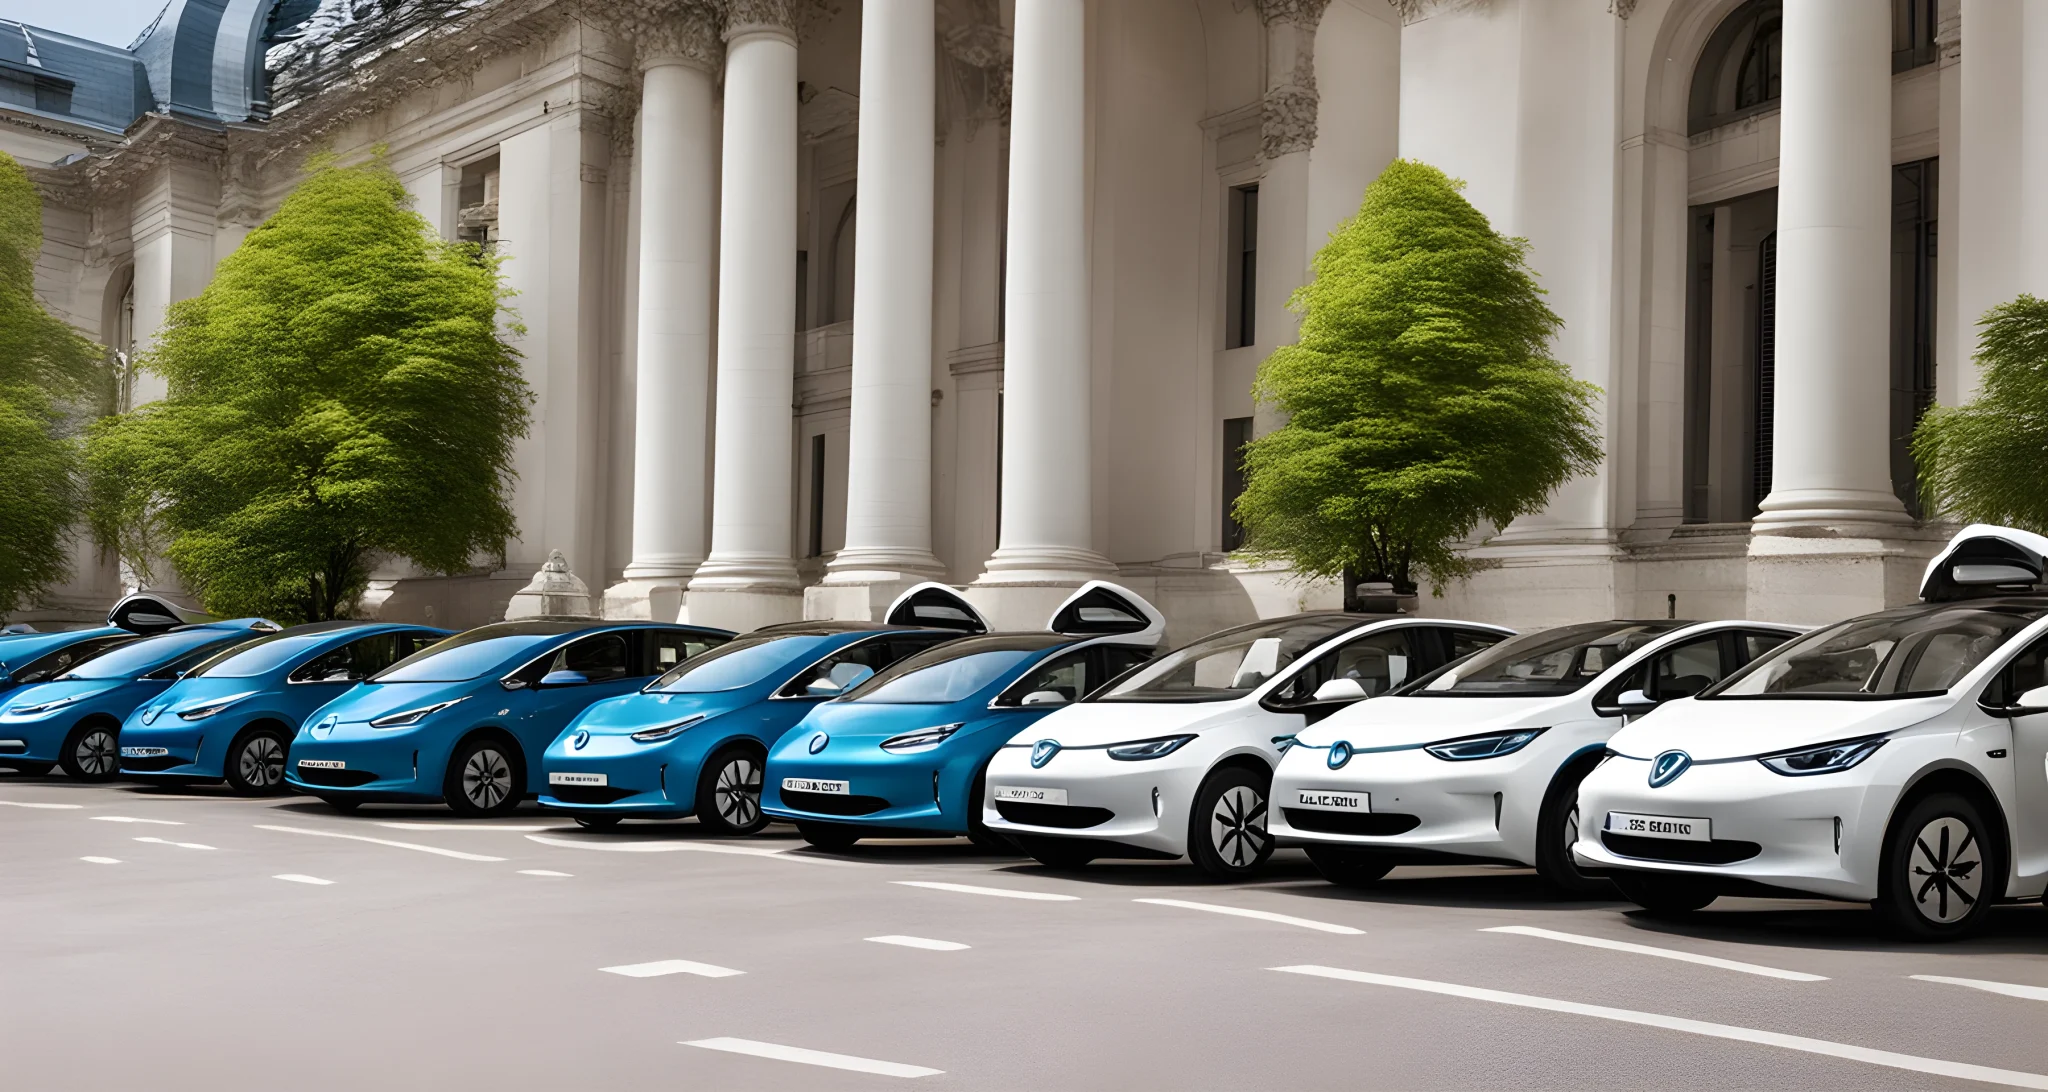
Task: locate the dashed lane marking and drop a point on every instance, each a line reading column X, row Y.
column 101, row 860
column 2009, row 989
column 1261, row 915
column 417, row 848
column 922, row 942
column 1933, row 1066
column 999, row 892
column 671, row 966
column 543, row 872
column 813, row 1057
column 687, row 847
column 133, row 819
column 295, row 877
column 30, row 804
column 1660, row 953
column 168, row 842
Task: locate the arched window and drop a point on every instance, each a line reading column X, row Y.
column 1741, row 70
column 843, row 243
column 1760, row 77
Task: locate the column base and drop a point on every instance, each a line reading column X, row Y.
column 1818, row 577
column 1022, row 586
column 654, row 599
column 860, row 596
column 741, row 609
column 1830, row 509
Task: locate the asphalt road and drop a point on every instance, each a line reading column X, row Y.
column 196, row 940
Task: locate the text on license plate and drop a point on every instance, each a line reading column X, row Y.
column 322, row 764
column 1661, row 826
column 1333, row 801
column 144, row 752
column 806, row 784
column 559, row 778
column 1029, row 795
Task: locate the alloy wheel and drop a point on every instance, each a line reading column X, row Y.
column 1237, row 828
column 98, row 754
column 738, row 792
column 1948, row 870
column 262, row 762
column 486, row 778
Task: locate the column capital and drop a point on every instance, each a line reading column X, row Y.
column 1288, row 112
column 782, row 18
column 668, row 31
column 1305, row 12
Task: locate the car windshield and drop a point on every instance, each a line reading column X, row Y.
column 53, row 664
column 461, row 658
column 1230, row 664
column 260, row 656
column 140, row 657
column 1547, row 663
column 734, row 664
column 1904, row 653
column 952, row 671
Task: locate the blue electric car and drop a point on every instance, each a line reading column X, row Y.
column 39, row 657
column 903, row 754
column 74, row 720
column 465, row 721
column 694, row 741
column 233, row 717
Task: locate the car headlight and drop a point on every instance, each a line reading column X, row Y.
column 413, row 716
column 1138, row 750
column 1826, row 758
column 48, row 706
column 201, row 712
column 924, row 739
column 666, row 731
column 1490, row 745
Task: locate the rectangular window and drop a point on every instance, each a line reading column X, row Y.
column 1912, row 34
column 817, row 543
column 1241, row 308
column 1237, row 432
column 1915, row 192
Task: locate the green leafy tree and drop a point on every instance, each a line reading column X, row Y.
column 1421, row 398
column 1987, row 461
column 339, row 392
column 45, row 367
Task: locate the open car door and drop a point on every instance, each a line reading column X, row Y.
column 932, row 605
column 1103, row 609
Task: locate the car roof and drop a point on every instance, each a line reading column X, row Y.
column 557, row 625
column 826, row 628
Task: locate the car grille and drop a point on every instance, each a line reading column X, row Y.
column 1718, row 851
column 588, row 794
column 831, row 803
column 340, row 779
column 153, row 763
column 1350, row 822
column 1066, row 816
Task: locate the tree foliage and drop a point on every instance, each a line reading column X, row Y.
column 1987, row 462
column 339, row 392
column 1421, row 398
column 45, row 366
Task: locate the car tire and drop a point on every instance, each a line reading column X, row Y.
column 1941, row 870
column 342, row 804
column 1348, row 867
column 1663, row 895
column 597, row 822
column 34, row 769
column 255, row 763
column 1058, row 854
column 486, row 778
column 92, row 752
column 1227, row 836
column 1557, row 827
column 729, row 791
column 828, row 836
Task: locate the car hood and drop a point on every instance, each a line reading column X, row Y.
column 1092, row 723
column 369, row 701
column 629, row 713
column 1399, row 721
column 56, row 690
column 1742, row 727
column 190, row 693
column 858, row 720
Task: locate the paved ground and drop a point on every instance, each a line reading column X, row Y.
column 202, row 941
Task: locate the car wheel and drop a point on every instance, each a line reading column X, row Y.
column 1557, row 827
column 1663, row 895
column 34, row 769
column 342, row 804
column 485, row 778
column 597, row 822
column 92, row 753
column 832, row 836
column 729, row 792
column 1061, row 854
column 255, row 763
column 1350, row 867
column 1941, row 871
column 1227, row 836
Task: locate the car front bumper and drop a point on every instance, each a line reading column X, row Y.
column 1141, row 804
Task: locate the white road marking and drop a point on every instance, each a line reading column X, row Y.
column 2031, row 993
column 813, row 1057
column 543, row 872
column 686, row 847
column 295, row 877
column 101, row 860
column 521, row 827
column 922, row 942
column 436, row 850
column 1935, row 1066
column 999, row 892
column 1262, row 915
column 1660, row 953
column 671, row 966
column 26, row 804
column 132, row 819
column 168, row 842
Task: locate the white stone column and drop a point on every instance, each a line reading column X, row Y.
column 749, row 580
column 1831, row 457
column 888, row 482
column 1045, row 544
column 678, row 154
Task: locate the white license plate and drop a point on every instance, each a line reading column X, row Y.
column 1679, row 828
column 579, row 779
column 322, row 764
column 805, row 784
column 1333, row 801
column 1031, row 796
column 144, row 752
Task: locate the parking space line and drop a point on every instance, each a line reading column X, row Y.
column 999, row 892
column 133, row 819
column 436, row 850
column 2009, row 989
column 813, row 1057
column 688, row 847
column 29, row 804
column 1660, row 953
column 295, row 877
column 671, row 966
column 1933, row 1066
column 543, row 872
column 168, row 842
column 101, row 860
column 1261, row 915
column 461, row 826
column 921, row 942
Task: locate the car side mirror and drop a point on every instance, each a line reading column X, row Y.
column 1634, row 703
column 511, row 682
column 2029, row 703
column 1339, row 690
column 1044, row 697
column 564, row 678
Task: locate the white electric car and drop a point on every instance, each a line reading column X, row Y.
column 1175, row 758
column 1899, row 758
column 1483, row 762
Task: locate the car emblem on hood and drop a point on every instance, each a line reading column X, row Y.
column 581, row 737
column 1340, row 753
column 1665, row 768
column 818, row 742
column 1042, row 752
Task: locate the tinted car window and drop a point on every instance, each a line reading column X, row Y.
column 1893, row 654
column 600, row 657
column 672, row 646
column 52, row 664
column 261, row 656
column 459, row 660
column 1227, row 665
column 360, row 658
column 1677, row 672
column 953, row 670
column 742, row 662
column 1066, row 676
column 1377, row 663
column 840, row 672
column 175, row 649
column 1547, row 663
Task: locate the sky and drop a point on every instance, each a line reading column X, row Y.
column 115, row 22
